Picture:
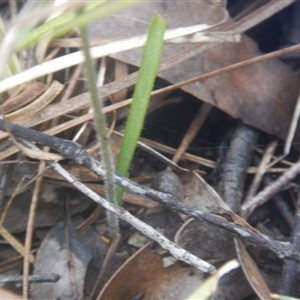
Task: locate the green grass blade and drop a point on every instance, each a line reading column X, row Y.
column 69, row 20
column 50, row 25
column 282, row 297
column 141, row 96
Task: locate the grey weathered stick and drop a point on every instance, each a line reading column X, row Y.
column 290, row 267
column 272, row 189
column 31, row 278
column 261, row 170
column 175, row 250
column 75, row 152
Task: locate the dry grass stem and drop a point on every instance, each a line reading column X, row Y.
column 76, row 58
column 47, row 97
column 30, row 226
column 10, row 200
column 261, row 170
column 272, row 189
column 111, row 251
column 192, row 131
column 14, row 243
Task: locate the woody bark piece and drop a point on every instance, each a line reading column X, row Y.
column 233, row 169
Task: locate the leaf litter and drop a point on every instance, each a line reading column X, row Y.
column 69, row 262
column 261, row 95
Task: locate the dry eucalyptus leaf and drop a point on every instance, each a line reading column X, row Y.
column 135, row 21
column 205, row 241
column 252, row 272
column 163, row 220
column 62, row 253
column 99, row 250
column 50, row 208
column 200, row 195
column 144, row 275
column 269, row 88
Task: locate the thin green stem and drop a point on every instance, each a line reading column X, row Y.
column 100, row 125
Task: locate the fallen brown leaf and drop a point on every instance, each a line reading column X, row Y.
column 144, row 274
column 269, row 88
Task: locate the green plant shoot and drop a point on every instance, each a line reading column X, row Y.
column 67, row 21
column 146, row 77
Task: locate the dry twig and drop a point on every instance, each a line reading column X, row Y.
column 75, row 152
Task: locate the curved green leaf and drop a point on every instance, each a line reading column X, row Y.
column 141, row 96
